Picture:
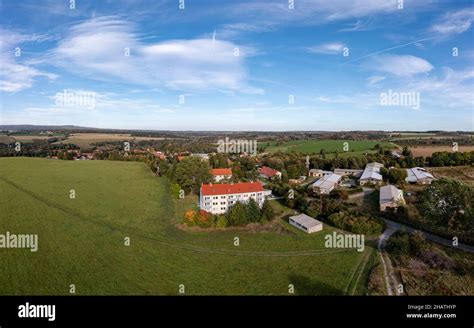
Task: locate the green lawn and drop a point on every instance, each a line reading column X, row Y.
column 81, row 239
column 355, row 147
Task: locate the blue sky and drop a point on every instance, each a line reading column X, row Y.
column 239, row 65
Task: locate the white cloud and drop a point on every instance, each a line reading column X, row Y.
column 399, row 65
column 375, row 79
column 15, row 75
column 455, row 22
column 96, row 49
column 452, row 88
column 331, row 48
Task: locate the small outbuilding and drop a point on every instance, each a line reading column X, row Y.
column 305, row 223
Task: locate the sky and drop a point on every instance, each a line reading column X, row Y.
column 278, row 65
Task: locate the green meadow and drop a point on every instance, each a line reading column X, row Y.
column 81, row 240
column 329, row 146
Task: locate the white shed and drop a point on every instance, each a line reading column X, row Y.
column 306, row 223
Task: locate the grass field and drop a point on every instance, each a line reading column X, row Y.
column 329, row 146
column 84, row 140
column 81, row 240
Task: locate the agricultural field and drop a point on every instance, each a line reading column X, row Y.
column 329, row 146
column 84, row 140
column 6, row 139
column 27, row 137
column 81, row 240
column 461, row 173
column 429, row 150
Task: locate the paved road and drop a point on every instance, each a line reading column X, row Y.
column 434, row 238
column 365, row 192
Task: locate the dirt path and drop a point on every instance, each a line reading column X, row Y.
column 391, row 281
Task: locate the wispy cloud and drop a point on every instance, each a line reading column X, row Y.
column 399, row 65
column 99, row 48
column 16, row 75
column 375, row 79
column 331, row 48
column 456, row 22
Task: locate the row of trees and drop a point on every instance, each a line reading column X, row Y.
column 240, row 214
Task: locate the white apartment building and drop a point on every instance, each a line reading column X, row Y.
column 219, row 198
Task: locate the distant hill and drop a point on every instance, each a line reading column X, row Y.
column 31, row 127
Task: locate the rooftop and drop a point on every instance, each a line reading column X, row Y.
column 417, row 173
column 372, row 171
column 224, row 171
column 226, row 189
column 267, row 171
column 305, row 220
column 327, row 181
column 390, row 193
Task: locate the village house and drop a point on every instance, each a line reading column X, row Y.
column 390, row 198
column 269, row 173
column 419, row 175
column 326, row 184
column 219, row 198
column 348, row 172
column 371, row 174
column 221, row 174
column 305, row 223
column 159, row 155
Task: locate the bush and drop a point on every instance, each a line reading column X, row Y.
column 357, row 222
column 418, row 243
column 399, row 244
column 221, row 221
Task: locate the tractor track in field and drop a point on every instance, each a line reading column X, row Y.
column 72, row 213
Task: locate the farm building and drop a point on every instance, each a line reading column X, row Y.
column 221, row 174
column 269, row 173
column 348, row 172
column 219, row 198
column 419, row 175
column 390, row 197
column 371, row 174
column 326, row 184
column 318, row 173
column 305, row 223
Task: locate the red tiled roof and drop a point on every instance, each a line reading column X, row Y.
column 267, row 171
column 236, row 188
column 221, row 171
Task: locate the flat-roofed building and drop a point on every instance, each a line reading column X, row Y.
column 219, row 198
column 390, row 197
column 305, row 223
column 326, row 184
column 348, row 172
column 419, row 175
